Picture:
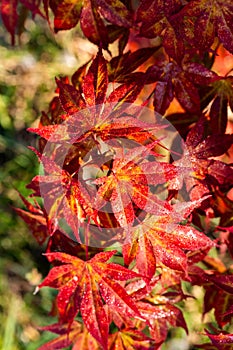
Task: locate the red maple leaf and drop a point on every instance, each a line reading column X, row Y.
column 130, row 339
column 75, row 334
column 163, row 239
column 84, row 285
column 211, row 20
column 128, row 183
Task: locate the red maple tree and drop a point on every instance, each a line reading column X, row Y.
column 133, row 174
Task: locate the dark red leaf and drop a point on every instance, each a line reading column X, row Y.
column 145, row 8
column 58, row 328
column 155, row 15
column 92, row 25
column 10, row 16
column 222, row 90
column 78, row 76
column 223, row 282
column 115, row 12
column 214, row 146
column 224, row 25
column 70, row 98
column 211, row 19
column 204, row 31
column 157, row 19
column 221, row 339
column 33, row 6
column 95, row 83
column 123, row 40
column 126, row 93
column 120, row 66
column 186, row 93
column 199, row 74
column 163, row 95
column 223, row 305
column 66, row 13
column 221, row 171
column 197, row 133
column 173, row 42
column 218, row 115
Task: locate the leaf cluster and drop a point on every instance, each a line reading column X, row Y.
column 129, row 201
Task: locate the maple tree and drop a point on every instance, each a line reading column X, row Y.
column 132, row 184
